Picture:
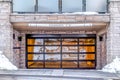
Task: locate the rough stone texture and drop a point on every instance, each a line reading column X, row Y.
column 23, row 52
column 98, row 53
column 59, row 18
column 6, row 30
column 113, row 34
column 103, row 51
column 16, row 48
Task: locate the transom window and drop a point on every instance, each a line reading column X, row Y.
column 59, row 6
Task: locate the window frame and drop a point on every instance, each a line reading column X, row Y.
column 59, row 7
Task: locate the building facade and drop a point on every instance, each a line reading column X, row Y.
column 68, row 34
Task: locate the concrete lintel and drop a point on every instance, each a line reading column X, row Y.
column 59, row 18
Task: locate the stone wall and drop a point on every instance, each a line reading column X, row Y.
column 6, row 30
column 101, row 51
column 23, row 52
column 113, row 33
column 16, row 48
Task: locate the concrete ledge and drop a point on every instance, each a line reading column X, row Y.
column 59, row 18
column 64, row 74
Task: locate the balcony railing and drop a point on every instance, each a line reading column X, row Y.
column 59, row 6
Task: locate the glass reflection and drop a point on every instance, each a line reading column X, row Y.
column 71, row 5
column 69, row 64
column 69, row 48
column 35, row 56
column 83, row 49
column 38, row 57
column 69, row 57
column 52, row 41
column 47, row 5
column 61, row 52
column 23, row 5
column 52, row 57
column 86, row 56
column 35, row 41
column 96, row 5
column 39, row 41
column 35, row 64
column 86, row 41
column 87, row 64
column 36, row 49
column 52, row 49
column 54, row 64
column 69, row 41
column 30, row 41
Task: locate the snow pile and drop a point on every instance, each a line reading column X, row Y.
column 83, row 13
column 86, row 13
column 5, row 63
column 113, row 67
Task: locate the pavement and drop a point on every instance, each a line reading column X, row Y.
column 57, row 74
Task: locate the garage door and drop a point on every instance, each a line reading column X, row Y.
column 61, row 51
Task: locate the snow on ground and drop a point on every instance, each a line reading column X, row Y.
column 5, row 63
column 113, row 67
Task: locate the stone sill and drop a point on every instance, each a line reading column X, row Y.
column 57, row 14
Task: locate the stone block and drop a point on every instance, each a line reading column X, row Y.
column 61, row 17
column 80, row 18
column 52, row 17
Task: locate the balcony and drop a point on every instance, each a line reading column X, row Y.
column 59, row 21
column 60, row 14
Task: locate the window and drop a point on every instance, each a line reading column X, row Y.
column 48, row 6
column 59, row 6
column 71, row 5
column 23, row 5
column 99, row 5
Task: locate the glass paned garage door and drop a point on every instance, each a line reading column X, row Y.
column 61, row 51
